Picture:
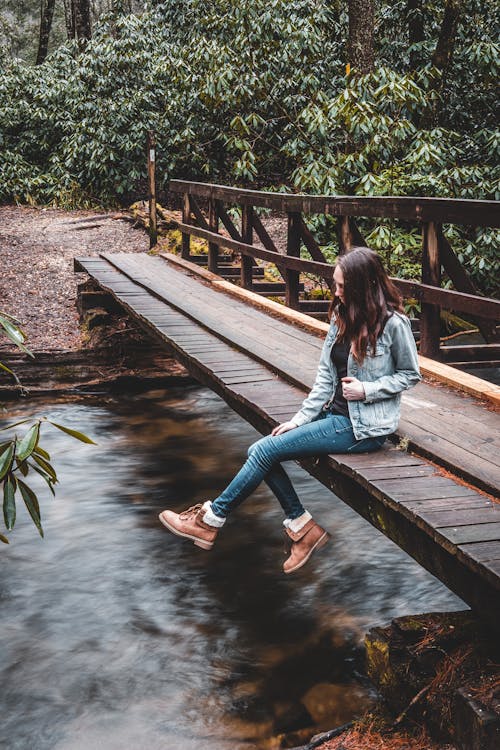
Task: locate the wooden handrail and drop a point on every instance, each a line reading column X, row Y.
column 430, row 213
column 485, row 307
column 440, row 210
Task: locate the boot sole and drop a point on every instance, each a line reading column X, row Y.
column 320, row 543
column 199, row 542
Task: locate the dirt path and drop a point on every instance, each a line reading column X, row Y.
column 37, row 282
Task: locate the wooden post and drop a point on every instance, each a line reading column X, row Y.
column 430, row 321
column 293, row 250
column 344, row 235
column 348, row 234
column 247, row 238
column 213, row 249
column 186, row 219
column 153, row 232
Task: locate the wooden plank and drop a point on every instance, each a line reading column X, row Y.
column 380, row 459
column 423, row 492
column 493, row 566
column 481, row 472
column 483, row 532
column 448, row 503
column 483, row 551
column 461, row 516
column 397, row 472
column 472, row 434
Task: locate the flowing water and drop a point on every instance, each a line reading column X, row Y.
column 116, row 635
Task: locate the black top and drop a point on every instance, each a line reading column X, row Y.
column 339, row 355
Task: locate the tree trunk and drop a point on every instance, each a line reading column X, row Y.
column 46, row 16
column 416, row 33
column 78, row 22
column 441, row 59
column 446, row 43
column 360, row 47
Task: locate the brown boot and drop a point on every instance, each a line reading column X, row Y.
column 310, row 537
column 190, row 525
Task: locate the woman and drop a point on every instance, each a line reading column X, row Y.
column 368, row 358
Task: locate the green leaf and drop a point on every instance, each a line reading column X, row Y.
column 31, row 502
column 6, row 460
column 73, row 433
column 41, row 452
column 49, row 481
column 9, row 503
column 23, row 467
column 26, row 446
column 7, row 369
column 15, row 424
column 15, row 335
column 46, row 466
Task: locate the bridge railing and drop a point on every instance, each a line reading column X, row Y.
column 429, row 213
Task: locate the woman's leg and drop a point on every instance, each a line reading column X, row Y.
column 331, row 434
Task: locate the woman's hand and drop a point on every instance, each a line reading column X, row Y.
column 353, row 390
column 285, row 427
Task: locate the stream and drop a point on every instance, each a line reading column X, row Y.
column 117, row 635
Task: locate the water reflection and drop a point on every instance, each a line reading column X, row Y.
column 117, row 635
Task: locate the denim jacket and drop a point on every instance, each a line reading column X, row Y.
column 393, row 369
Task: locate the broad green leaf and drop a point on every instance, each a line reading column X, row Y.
column 73, row 433
column 31, row 502
column 6, row 460
column 9, row 503
column 28, row 443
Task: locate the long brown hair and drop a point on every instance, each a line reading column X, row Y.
column 370, row 298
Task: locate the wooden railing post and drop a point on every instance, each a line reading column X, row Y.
column 293, row 249
column 430, row 321
column 348, row 234
column 213, row 249
column 151, row 148
column 186, row 219
column 247, row 238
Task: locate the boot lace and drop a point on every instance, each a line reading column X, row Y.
column 192, row 511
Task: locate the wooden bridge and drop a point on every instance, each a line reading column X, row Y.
column 435, row 490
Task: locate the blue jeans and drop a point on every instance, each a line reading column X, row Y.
column 329, row 433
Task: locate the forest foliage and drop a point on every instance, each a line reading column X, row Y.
column 256, row 93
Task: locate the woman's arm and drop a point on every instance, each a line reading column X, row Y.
column 323, row 385
column 405, row 358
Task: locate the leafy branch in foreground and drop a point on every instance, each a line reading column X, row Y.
column 19, row 456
